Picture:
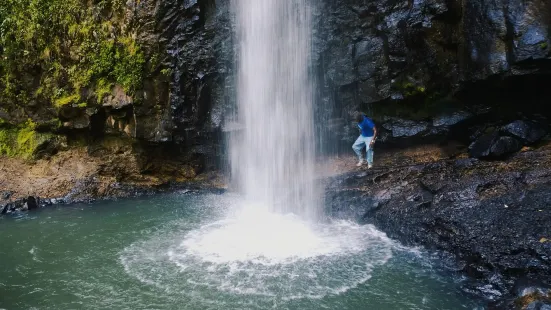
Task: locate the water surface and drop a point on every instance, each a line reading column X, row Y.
column 203, row 251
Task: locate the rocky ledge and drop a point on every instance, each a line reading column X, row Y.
column 494, row 216
column 111, row 169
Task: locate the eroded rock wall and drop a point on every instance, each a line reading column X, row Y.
column 428, row 60
column 422, row 69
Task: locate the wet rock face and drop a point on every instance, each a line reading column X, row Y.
column 492, row 145
column 189, row 44
column 493, row 216
column 428, row 42
column 197, row 37
column 365, row 52
column 526, row 131
column 372, row 53
column 509, row 139
column 18, row 205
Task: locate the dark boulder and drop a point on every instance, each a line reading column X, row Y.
column 24, row 204
column 494, row 146
column 482, row 146
column 32, row 203
column 13, row 206
column 504, row 146
column 526, row 131
column 50, row 146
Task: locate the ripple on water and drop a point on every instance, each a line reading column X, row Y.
column 261, row 255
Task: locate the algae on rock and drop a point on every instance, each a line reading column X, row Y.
column 64, row 52
column 25, row 141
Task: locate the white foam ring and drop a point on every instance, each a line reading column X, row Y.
column 261, row 254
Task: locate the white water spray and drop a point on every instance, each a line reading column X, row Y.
column 270, row 244
column 272, row 159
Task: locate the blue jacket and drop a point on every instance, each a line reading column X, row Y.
column 366, row 126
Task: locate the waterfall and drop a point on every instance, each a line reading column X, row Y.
column 272, row 157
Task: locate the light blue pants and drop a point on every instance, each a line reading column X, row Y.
column 360, row 143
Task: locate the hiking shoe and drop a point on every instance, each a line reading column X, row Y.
column 360, row 163
column 369, row 166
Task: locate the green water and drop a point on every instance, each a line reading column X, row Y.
column 171, row 252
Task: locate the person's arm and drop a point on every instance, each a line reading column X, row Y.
column 374, row 137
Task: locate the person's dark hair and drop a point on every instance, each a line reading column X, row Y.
column 359, row 117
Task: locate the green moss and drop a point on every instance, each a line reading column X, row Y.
column 63, row 101
column 76, row 44
column 129, row 65
column 166, row 72
column 409, row 89
column 103, row 88
column 26, row 142
column 22, row 141
column 7, row 138
column 544, row 45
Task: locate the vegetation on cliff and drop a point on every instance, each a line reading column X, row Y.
column 22, row 141
column 65, row 51
column 56, row 53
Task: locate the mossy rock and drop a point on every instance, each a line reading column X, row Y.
column 27, row 143
column 66, row 100
column 65, row 61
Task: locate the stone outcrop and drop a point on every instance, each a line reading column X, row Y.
column 508, row 139
column 526, row 131
column 409, row 58
column 492, row 216
column 389, row 49
column 406, row 63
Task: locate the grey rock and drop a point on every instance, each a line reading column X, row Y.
column 526, row 131
column 117, row 99
column 493, row 145
column 505, row 145
column 405, row 128
column 451, row 119
column 533, row 44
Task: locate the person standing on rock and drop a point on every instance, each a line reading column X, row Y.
column 368, row 134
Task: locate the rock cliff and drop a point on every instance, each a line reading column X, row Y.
column 160, row 72
column 492, row 217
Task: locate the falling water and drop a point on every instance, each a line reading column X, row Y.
column 268, row 244
column 272, row 158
